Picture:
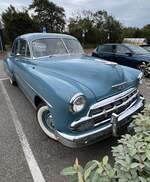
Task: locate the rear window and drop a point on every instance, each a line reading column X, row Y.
column 106, row 48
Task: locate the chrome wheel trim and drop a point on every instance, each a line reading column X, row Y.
column 40, row 120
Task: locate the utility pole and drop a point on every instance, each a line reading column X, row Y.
column 84, row 31
column 2, row 45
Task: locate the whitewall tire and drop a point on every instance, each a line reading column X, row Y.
column 45, row 120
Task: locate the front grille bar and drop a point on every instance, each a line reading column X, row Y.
column 131, row 93
column 104, row 104
column 117, row 107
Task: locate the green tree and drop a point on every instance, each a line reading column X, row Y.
column 109, row 28
column 100, row 27
column 132, row 32
column 48, row 15
column 81, row 25
column 146, row 32
column 17, row 23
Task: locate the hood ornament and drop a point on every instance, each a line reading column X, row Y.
column 119, row 86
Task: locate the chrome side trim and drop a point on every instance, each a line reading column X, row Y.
column 118, row 85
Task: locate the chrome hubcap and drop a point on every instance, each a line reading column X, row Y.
column 49, row 121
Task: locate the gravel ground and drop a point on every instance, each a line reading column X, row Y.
column 2, row 73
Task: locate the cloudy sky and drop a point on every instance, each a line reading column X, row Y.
column 129, row 12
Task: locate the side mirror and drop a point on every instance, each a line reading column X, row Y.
column 129, row 53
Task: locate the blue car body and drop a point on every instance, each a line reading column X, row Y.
column 57, row 79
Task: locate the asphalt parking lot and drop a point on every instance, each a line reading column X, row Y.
column 26, row 153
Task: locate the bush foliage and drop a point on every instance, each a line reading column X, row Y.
column 132, row 158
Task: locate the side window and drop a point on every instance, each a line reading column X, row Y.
column 122, row 50
column 106, row 48
column 24, row 49
column 15, row 48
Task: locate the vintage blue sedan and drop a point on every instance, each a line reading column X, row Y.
column 79, row 100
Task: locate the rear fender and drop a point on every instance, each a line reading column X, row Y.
column 8, row 67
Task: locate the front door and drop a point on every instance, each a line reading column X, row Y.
column 106, row 52
column 123, row 55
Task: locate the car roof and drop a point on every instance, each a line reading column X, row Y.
column 33, row 36
column 116, row 44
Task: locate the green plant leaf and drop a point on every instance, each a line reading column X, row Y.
column 90, row 163
column 142, row 179
column 89, row 170
column 148, row 154
column 134, row 165
column 105, row 160
column 95, row 177
column 69, row 171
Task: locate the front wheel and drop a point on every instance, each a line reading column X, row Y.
column 144, row 68
column 45, row 120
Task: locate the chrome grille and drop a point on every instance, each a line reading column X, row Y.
column 101, row 112
column 116, row 105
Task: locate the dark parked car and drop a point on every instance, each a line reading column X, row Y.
column 125, row 54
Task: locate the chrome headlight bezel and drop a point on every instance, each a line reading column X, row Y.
column 77, row 103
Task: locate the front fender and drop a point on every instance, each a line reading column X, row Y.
column 58, row 93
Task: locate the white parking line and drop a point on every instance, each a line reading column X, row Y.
column 31, row 161
column 2, row 79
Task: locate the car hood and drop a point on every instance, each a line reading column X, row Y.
column 97, row 75
column 143, row 57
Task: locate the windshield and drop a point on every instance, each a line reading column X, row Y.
column 55, row 46
column 137, row 49
column 147, row 48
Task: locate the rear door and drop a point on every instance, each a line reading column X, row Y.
column 23, row 67
column 107, row 52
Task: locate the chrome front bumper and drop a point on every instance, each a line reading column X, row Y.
column 101, row 132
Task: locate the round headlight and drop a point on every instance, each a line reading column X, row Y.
column 140, row 77
column 77, row 103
